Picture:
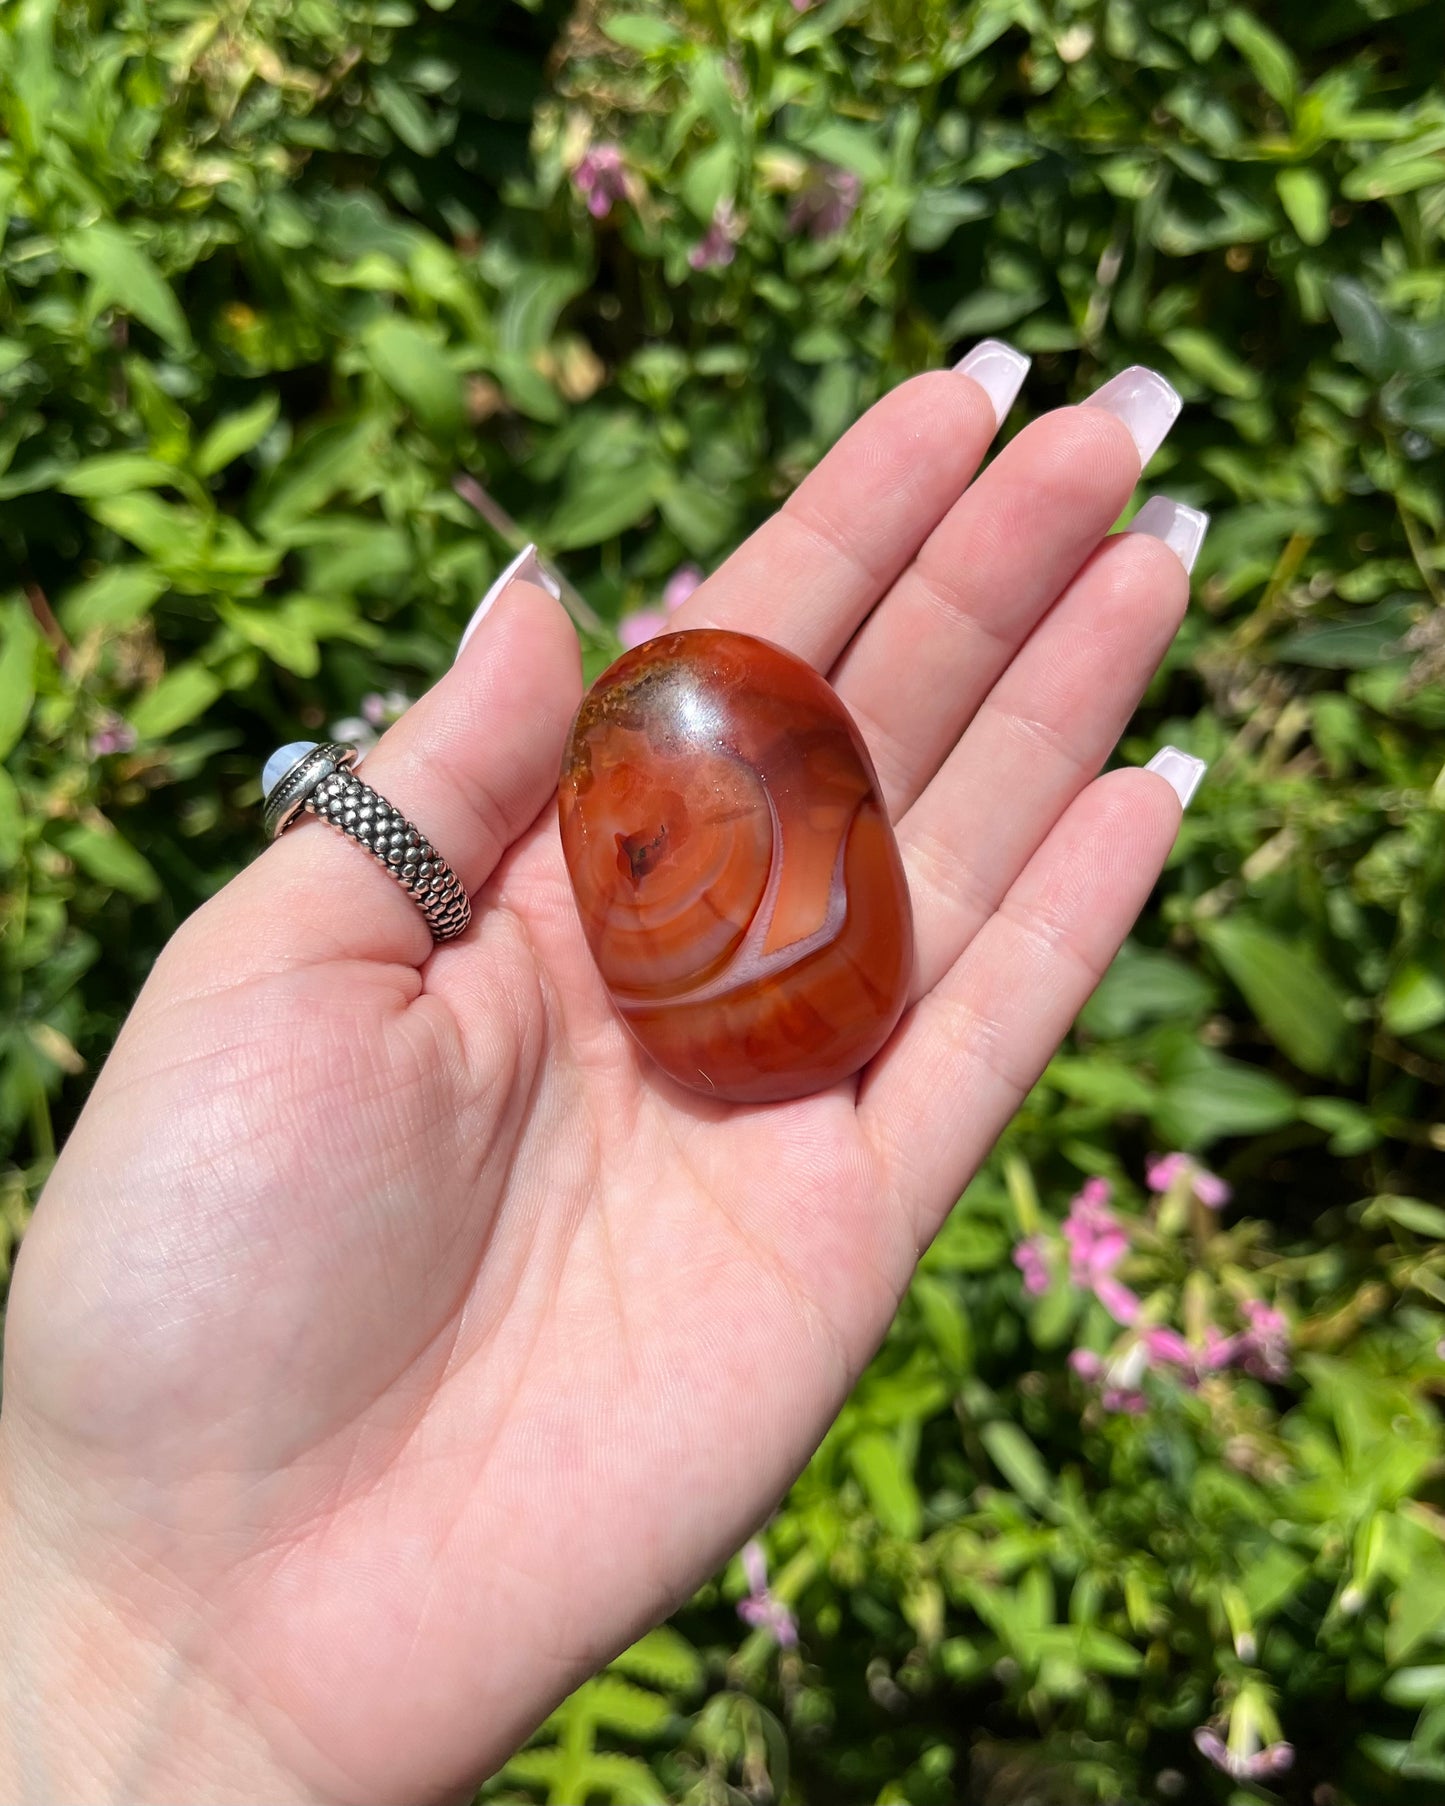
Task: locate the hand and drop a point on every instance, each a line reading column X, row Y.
column 393, row 1343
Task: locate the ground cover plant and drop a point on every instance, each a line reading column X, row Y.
column 312, row 311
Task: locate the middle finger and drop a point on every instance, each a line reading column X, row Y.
column 921, row 664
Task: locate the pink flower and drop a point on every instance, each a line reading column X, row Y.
column 1167, row 1169
column 1124, row 1399
column 1097, row 1243
column 825, row 202
column 718, row 245
column 1244, row 1765
column 1121, row 1304
column 759, row 1608
column 378, row 709
column 601, row 179
column 680, row 585
column 1262, row 1349
column 1169, row 1349
column 1030, row 1257
column 1120, row 1375
column 1219, row 1349
column 646, row 623
column 112, row 736
column 1211, row 1744
column 642, row 624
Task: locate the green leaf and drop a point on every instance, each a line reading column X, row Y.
column 12, row 821
column 606, row 502
column 415, row 367
column 710, row 177
column 642, row 32
column 1297, row 1002
column 1351, row 1130
column 941, row 1308
column 123, row 276
column 666, row 1658
column 1202, row 355
column 235, row 434
column 535, row 296
column 1420, row 404
column 279, row 633
column 1417, row 1612
column 170, row 534
column 17, row 673
column 116, row 473
column 179, row 697
column 1414, row 1000
column 1142, row 987
column 1372, row 340
column 1369, row 637
column 418, row 129
column 1101, row 1652
column 103, row 854
column 623, row 1779
column 1271, row 60
column 618, row 1705
column 1425, row 347
column 850, row 146
column 534, row 1768
column 1210, row 1097
column 1020, row 1463
column 1413, row 1214
column 1305, row 196
column 116, row 598
column 888, row 1484
column 1390, row 175
column 359, row 554
column 1270, row 1579
column 1415, row 1687
column 1098, row 1080
column 938, row 212
column 339, row 456
column 702, row 518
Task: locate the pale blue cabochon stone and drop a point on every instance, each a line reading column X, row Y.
column 281, row 762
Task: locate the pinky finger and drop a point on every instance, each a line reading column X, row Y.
column 965, row 1056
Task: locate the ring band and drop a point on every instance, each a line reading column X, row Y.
column 321, row 782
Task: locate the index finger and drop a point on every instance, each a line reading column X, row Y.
column 810, row 575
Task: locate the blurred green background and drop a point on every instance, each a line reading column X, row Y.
column 314, row 310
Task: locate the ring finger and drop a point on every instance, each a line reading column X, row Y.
column 928, row 655
column 1044, row 731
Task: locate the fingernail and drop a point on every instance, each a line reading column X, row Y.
column 1179, row 770
column 526, row 567
column 1181, row 527
column 999, row 371
column 1146, row 404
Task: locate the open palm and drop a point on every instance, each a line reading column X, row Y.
column 393, row 1343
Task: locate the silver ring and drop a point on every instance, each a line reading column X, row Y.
column 317, row 779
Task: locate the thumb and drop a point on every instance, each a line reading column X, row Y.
column 469, row 764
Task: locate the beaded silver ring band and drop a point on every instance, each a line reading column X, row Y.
column 317, row 779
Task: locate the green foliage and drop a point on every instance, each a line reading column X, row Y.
column 304, row 326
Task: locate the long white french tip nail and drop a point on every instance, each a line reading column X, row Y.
column 526, row 567
column 1146, row 404
column 1179, row 770
column 1181, row 527
column 999, row 371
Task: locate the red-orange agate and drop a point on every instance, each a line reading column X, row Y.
column 737, row 879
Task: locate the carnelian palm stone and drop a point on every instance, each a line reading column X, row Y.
column 738, row 881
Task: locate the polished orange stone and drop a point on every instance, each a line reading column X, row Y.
column 737, row 879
